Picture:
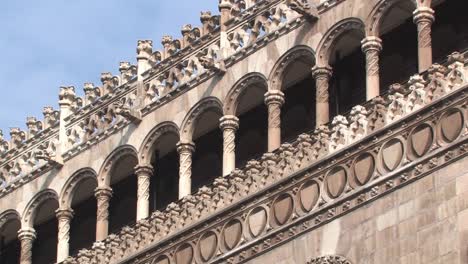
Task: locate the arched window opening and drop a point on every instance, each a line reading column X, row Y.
column 207, row 158
column 164, row 183
column 399, row 56
column 252, row 135
column 44, row 249
column 122, row 209
column 83, row 224
column 450, row 29
column 298, row 111
column 348, row 81
column 10, row 246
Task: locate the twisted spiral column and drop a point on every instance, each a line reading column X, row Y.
column 185, row 150
column 103, row 195
column 26, row 238
column 64, row 217
column 143, row 174
column 423, row 17
column 372, row 46
column 274, row 100
column 229, row 125
column 322, row 77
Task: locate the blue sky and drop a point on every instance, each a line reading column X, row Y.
column 48, row 43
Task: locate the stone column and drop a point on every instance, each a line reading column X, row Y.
column 229, row 125
column 103, row 195
column 423, row 17
column 274, row 99
column 26, row 237
column 322, row 80
column 224, row 7
column 64, row 217
column 185, row 150
column 371, row 46
column 144, row 174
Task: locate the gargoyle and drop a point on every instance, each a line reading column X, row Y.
column 305, row 8
column 127, row 112
column 46, row 156
column 210, row 64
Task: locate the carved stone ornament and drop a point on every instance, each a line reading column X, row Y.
column 92, row 93
column 331, row 259
column 51, row 116
column 109, row 82
column 17, row 137
column 67, row 95
column 127, row 71
column 144, row 49
column 34, row 126
column 305, row 8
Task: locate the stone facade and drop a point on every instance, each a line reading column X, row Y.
column 383, row 183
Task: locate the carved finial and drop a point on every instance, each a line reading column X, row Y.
column 186, row 29
column 166, row 40
column 17, row 137
column 4, row 146
column 51, row 116
column 34, row 126
column 91, row 93
column 144, row 48
column 109, row 82
column 127, row 71
column 67, row 95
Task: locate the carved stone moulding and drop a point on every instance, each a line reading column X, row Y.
column 450, row 125
column 330, row 259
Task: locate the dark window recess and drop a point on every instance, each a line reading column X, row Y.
column 165, row 182
column 252, row 135
column 122, row 210
column 9, row 253
column 298, row 112
column 83, row 225
column 207, row 159
column 45, row 245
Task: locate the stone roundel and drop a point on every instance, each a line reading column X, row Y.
column 232, row 234
column 283, row 207
column 335, row 182
column 451, row 125
column 309, row 194
column 257, row 221
column 184, row 254
column 392, row 154
column 363, row 168
column 207, row 245
column 421, row 139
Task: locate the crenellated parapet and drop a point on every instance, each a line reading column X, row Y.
column 380, row 146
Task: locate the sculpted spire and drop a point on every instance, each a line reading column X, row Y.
column 208, row 21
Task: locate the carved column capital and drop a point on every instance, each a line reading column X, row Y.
column 65, row 214
column 27, row 234
column 229, row 122
column 423, row 14
column 144, row 170
column 274, row 97
column 371, row 43
column 322, row 72
column 185, row 147
column 103, row 192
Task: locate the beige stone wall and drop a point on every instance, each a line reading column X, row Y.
column 423, row 222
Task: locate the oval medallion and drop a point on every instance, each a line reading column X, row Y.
column 309, row 195
column 232, row 234
column 392, row 154
column 421, row 140
column 336, row 182
column 208, row 245
column 162, row 260
column 283, row 208
column 364, row 168
column 257, row 221
column 451, row 125
column 184, row 254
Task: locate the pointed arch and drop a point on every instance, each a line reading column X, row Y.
column 29, row 215
column 70, row 187
column 231, row 102
column 104, row 176
column 149, row 143
column 334, row 34
column 276, row 77
column 190, row 121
